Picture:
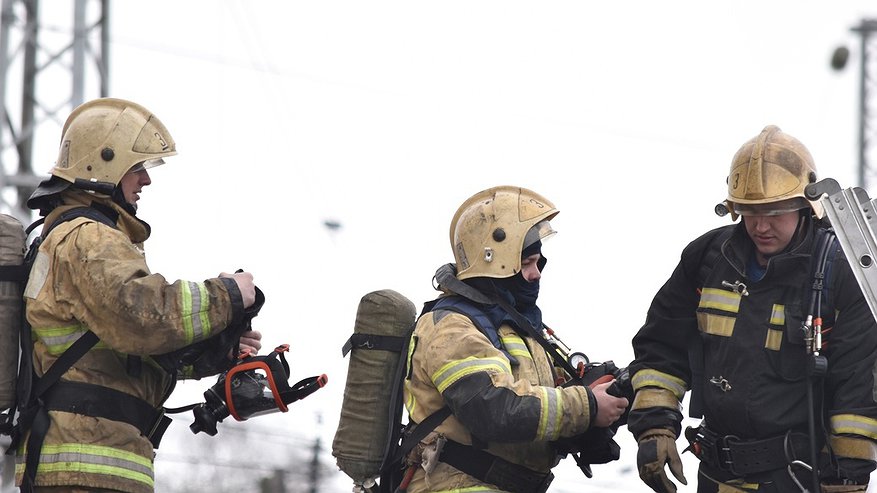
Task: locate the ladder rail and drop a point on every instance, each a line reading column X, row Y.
column 853, row 215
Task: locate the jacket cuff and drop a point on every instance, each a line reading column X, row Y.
column 237, row 300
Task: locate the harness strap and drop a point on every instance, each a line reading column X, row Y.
column 414, row 435
column 374, row 341
column 486, row 467
column 103, row 402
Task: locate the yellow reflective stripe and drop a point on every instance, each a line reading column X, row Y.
column 774, row 339
column 455, row 370
column 59, row 339
column 736, row 486
column 655, row 378
column 720, row 299
column 94, row 459
column 854, row 424
column 856, row 448
column 778, row 315
column 195, row 302
column 652, row 397
column 549, row 422
column 718, row 325
column 516, row 346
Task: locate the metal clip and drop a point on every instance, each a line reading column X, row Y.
column 430, row 456
column 721, row 383
column 737, row 287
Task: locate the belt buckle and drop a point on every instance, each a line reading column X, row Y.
column 726, row 456
column 156, row 423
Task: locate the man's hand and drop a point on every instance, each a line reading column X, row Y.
column 244, row 280
column 656, row 448
column 609, row 407
column 251, row 341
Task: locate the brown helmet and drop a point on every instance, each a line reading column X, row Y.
column 101, row 141
column 491, row 229
column 771, row 168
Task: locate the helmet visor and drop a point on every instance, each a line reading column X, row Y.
column 538, row 232
column 149, row 163
column 773, row 208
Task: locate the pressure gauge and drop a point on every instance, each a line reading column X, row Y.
column 579, row 361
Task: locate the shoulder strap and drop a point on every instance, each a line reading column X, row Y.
column 477, row 315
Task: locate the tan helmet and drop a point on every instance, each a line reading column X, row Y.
column 101, row 141
column 490, row 229
column 771, row 168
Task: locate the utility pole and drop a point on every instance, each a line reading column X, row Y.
column 867, row 30
column 50, row 65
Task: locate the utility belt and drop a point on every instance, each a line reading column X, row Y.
column 103, row 402
column 489, row 468
column 743, row 457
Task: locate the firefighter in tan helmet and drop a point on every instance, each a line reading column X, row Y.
column 729, row 325
column 475, row 357
column 95, row 427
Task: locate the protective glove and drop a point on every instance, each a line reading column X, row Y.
column 656, row 448
column 843, row 488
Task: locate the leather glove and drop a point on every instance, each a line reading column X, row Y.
column 656, row 448
column 843, row 488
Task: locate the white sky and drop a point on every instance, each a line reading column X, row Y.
column 385, row 116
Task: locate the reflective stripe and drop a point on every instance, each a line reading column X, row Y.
column 854, row 424
column 719, row 299
column 59, row 339
column 455, row 370
column 857, row 448
column 652, row 397
column 655, row 378
column 549, row 423
column 718, row 325
column 195, row 302
column 774, row 339
column 91, row 459
column 516, row 346
column 778, row 315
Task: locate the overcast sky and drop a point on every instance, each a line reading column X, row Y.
column 385, row 116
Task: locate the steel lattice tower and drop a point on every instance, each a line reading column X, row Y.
column 48, row 63
column 867, row 91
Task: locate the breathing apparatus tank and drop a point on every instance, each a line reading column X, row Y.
column 372, row 405
column 13, row 244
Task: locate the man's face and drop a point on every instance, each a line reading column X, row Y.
column 771, row 234
column 530, row 267
column 132, row 184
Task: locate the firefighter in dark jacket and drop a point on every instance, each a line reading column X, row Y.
column 730, row 325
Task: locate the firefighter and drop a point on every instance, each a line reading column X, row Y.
column 729, row 324
column 90, row 277
column 471, row 356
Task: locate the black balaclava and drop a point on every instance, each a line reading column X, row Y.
column 519, row 293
